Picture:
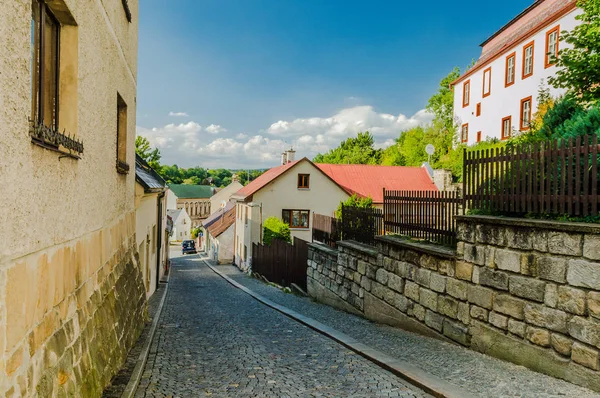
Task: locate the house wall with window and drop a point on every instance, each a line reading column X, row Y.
column 72, row 298
column 287, row 193
column 497, row 97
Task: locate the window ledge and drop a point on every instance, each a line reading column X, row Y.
column 122, row 167
column 303, row 189
column 299, row 229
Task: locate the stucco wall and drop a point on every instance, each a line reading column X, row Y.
column 221, row 248
column 521, row 290
column 147, row 235
column 506, row 101
column 71, row 293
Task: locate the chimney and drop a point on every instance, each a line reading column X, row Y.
column 291, row 155
column 284, row 158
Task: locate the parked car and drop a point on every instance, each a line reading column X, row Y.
column 188, row 246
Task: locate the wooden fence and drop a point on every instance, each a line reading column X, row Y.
column 427, row 215
column 325, row 229
column 361, row 225
column 551, row 177
column 281, row 262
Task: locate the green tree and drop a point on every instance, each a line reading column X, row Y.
column 359, row 150
column 146, row 152
column 354, row 201
column 441, row 104
column 274, row 228
column 579, row 65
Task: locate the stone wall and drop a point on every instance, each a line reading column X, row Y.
column 71, row 314
column 524, row 291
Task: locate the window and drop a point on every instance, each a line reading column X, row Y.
column 45, row 30
column 506, row 127
column 464, row 133
column 479, row 136
column 487, row 82
column 509, row 79
column 466, row 93
column 296, row 218
column 303, row 180
column 525, row 113
column 245, row 215
column 122, row 166
column 551, row 47
column 478, row 111
column 154, row 239
column 245, row 252
column 528, row 60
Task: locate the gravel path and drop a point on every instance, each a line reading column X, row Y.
column 480, row 374
column 214, row 340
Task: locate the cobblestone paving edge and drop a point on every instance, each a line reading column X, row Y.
column 427, row 382
column 136, row 376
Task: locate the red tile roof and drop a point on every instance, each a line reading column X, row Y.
column 367, row 180
column 224, row 222
column 263, row 180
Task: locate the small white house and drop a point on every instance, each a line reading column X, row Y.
column 220, row 228
column 182, row 225
column 497, row 97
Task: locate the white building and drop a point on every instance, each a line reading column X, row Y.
column 182, row 225
column 498, row 96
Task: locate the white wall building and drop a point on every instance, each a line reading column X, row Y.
column 182, row 225
column 497, row 97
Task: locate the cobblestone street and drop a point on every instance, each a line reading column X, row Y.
column 214, row 340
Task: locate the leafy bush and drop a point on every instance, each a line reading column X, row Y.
column 274, row 228
column 195, row 232
column 354, row 201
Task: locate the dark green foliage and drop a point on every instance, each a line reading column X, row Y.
column 357, row 150
column 274, row 228
column 151, row 156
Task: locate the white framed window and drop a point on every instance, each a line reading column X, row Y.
column 487, row 82
column 506, row 127
column 528, row 60
column 466, row 93
column 552, row 37
column 510, row 70
column 464, row 133
column 525, row 113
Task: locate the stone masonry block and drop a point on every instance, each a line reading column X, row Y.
column 437, row 282
column 474, row 254
column 456, row 288
column 594, row 304
column 529, row 264
column 419, row 312
column 378, row 290
column 365, row 283
column 465, row 232
column 549, row 318
column 527, row 287
column 552, row 268
column 463, row 313
column 517, row 328
column 464, row 270
column 396, row 283
column 371, row 271
column 362, row 267
column 457, row 332
column 539, row 241
column 519, row 238
column 490, row 234
column 405, row 270
column 561, row 344
column 429, row 262
column 565, row 243
column 446, row 267
column 460, row 249
column 591, row 247
column 434, row 321
column 479, row 313
column 476, row 273
column 490, row 256
column 584, row 274
column 498, row 320
column 585, row 330
column 551, row 295
column 411, row 290
column 509, row 305
column 496, row 279
column 586, row 356
column 480, row 296
column 447, row 306
column 572, row 300
column 401, row 302
column 428, row 298
column 538, row 336
column 508, row 260
column 423, row 277
column 388, row 264
column 382, row 276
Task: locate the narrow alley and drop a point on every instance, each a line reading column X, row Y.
column 215, row 340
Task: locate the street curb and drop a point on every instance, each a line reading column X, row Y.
column 425, row 381
column 136, row 375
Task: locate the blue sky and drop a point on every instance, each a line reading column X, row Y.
column 229, row 83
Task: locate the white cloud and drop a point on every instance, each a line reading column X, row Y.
column 178, row 114
column 215, row 129
column 189, row 144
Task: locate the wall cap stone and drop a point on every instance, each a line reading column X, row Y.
column 427, row 248
column 360, row 247
column 323, row 248
column 560, row 226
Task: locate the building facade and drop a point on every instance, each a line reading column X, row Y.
column 151, row 224
column 72, row 299
column 182, row 225
column 195, row 199
column 220, row 232
column 497, row 97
